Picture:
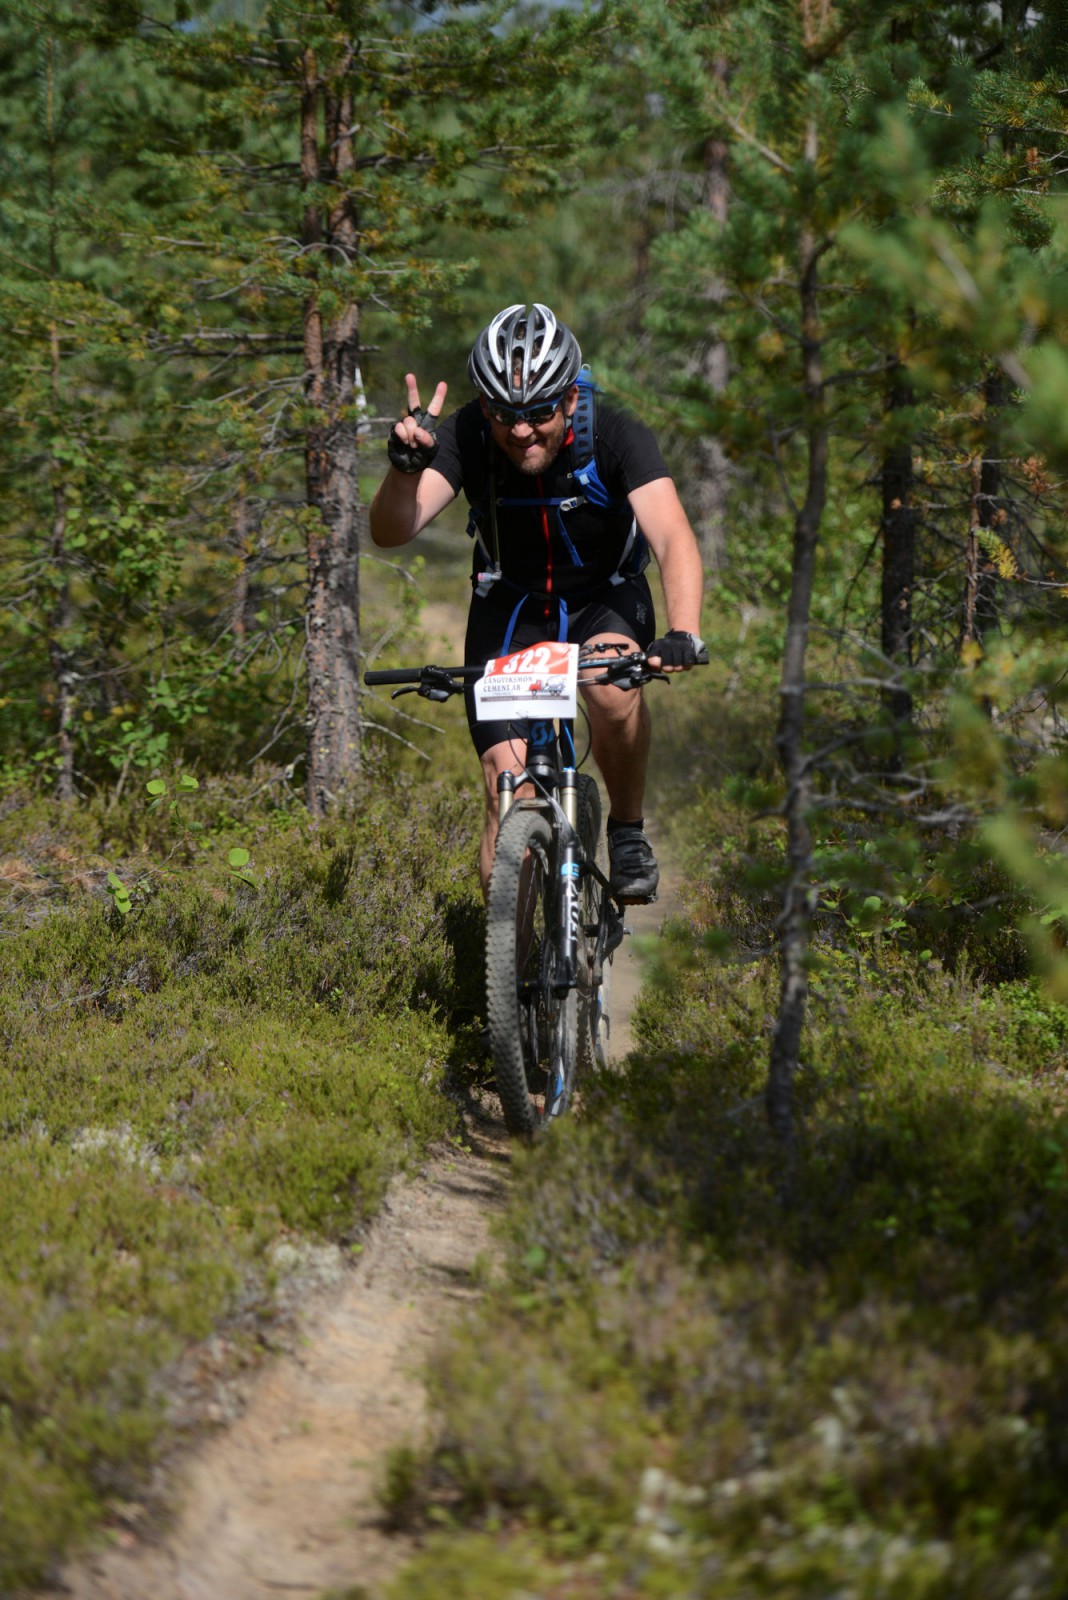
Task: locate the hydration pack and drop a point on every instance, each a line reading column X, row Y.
column 634, row 557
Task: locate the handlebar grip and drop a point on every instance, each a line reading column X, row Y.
column 415, row 676
column 393, row 675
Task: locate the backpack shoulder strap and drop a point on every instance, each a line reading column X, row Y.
column 584, row 428
column 481, row 492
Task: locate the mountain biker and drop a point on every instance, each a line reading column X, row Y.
column 559, row 547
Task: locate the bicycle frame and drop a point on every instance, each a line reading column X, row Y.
column 545, row 964
column 555, row 786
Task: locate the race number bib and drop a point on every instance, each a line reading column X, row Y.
column 540, row 681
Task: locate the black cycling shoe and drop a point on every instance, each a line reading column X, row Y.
column 633, row 874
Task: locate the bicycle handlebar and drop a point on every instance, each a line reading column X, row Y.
column 414, row 676
column 628, row 671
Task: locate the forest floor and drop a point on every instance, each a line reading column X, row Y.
column 283, row 1498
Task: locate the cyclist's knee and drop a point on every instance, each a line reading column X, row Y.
column 499, row 758
column 612, row 707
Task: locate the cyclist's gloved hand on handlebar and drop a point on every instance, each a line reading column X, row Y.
column 411, row 445
column 677, row 650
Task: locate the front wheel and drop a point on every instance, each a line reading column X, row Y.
column 594, row 1019
column 533, row 1031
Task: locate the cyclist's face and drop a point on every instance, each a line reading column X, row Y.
column 533, row 446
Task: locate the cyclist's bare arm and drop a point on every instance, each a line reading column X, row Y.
column 406, row 501
column 664, row 522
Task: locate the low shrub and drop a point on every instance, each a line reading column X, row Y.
column 242, row 1054
column 711, row 1366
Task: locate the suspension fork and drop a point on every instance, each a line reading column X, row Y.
column 569, row 899
column 566, row 900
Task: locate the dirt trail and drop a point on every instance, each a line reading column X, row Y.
column 283, row 1500
column 627, row 966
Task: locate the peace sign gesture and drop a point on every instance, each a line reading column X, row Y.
column 412, row 445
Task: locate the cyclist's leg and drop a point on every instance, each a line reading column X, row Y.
column 503, row 756
column 501, row 746
column 619, row 718
column 619, row 735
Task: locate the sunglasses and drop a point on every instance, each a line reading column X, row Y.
column 508, row 416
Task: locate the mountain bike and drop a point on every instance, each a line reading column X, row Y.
column 552, row 922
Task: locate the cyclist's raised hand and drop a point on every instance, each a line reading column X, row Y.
column 411, row 445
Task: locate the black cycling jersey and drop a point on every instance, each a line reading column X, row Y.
column 560, row 549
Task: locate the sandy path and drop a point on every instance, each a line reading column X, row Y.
column 627, row 966
column 282, row 1501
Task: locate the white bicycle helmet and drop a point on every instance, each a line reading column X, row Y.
column 524, row 356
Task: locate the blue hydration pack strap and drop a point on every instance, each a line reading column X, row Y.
column 635, row 556
column 514, row 618
column 585, row 446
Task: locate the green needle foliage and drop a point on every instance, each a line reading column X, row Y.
column 885, row 277
column 91, row 561
column 329, row 148
column 211, row 218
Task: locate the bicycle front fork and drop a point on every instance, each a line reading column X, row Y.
column 569, row 898
column 566, row 896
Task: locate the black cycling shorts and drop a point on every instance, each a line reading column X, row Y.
column 625, row 608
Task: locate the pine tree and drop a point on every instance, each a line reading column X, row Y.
column 334, row 142
column 835, row 118
column 89, row 565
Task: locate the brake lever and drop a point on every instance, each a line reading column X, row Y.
column 437, row 684
column 637, row 673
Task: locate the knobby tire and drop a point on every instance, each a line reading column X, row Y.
column 593, row 1020
column 533, row 1032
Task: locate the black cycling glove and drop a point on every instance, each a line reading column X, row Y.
column 413, row 457
column 677, row 649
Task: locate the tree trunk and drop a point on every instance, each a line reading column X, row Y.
column 980, row 604
column 989, row 511
column 709, row 488
column 796, row 919
column 59, row 624
column 330, row 354
column 899, row 559
column 62, row 616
